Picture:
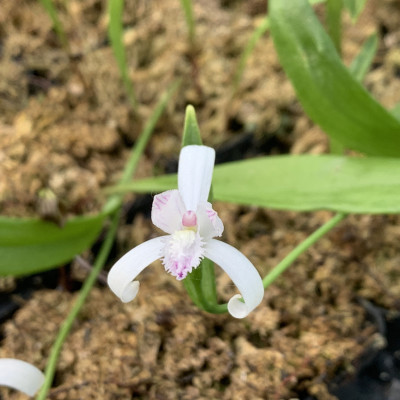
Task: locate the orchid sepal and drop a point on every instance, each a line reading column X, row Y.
column 20, row 375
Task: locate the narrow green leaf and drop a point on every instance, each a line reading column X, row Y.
column 395, row 111
column 325, row 88
column 251, row 44
column 190, row 22
column 354, row 7
column 51, row 10
column 30, row 245
column 301, row 183
column 362, row 62
column 115, row 33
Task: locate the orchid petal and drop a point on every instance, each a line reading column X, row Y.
column 196, row 164
column 167, row 211
column 210, row 225
column 243, row 274
column 127, row 268
column 20, row 375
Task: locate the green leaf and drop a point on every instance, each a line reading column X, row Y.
column 251, row 44
column 362, row 62
column 30, row 245
column 191, row 131
column 333, row 17
column 324, row 86
column 190, row 20
column 395, row 111
column 301, row 183
column 115, row 33
column 52, row 12
column 355, row 7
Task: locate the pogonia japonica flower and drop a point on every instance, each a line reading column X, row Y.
column 20, row 375
column 191, row 224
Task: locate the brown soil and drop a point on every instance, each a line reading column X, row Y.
column 66, row 128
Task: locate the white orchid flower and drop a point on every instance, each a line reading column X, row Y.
column 20, row 375
column 191, row 224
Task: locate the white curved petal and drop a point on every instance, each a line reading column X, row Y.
column 167, row 211
column 210, row 225
column 196, row 164
column 127, row 268
column 20, row 375
column 243, row 274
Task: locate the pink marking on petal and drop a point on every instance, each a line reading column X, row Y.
column 161, row 200
column 211, row 214
column 167, row 211
column 189, row 219
column 209, row 224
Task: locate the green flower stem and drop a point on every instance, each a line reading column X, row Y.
column 200, row 294
column 112, row 207
column 83, row 294
column 301, row 248
column 208, row 283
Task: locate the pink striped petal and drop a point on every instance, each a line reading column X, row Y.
column 210, row 225
column 167, row 211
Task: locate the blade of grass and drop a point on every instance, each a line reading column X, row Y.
column 115, row 201
column 115, row 34
column 362, row 62
column 355, row 8
column 51, row 10
column 105, row 248
column 251, row 44
column 190, row 22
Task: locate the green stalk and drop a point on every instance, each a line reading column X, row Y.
column 301, row 248
column 112, row 207
column 190, row 22
column 84, row 292
column 198, row 292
